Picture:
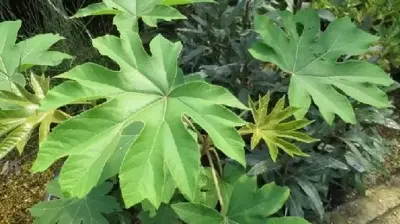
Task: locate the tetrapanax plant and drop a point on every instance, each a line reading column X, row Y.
column 148, row 91
column 127, row 12
column 17, row 124
column 314, row 61
column 17, row 57
column 270, row 126
column 318, row 182
column 243, row 201
column 89, row 209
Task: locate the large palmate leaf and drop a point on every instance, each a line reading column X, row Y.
column 16, row 125
column 244, row 202
column 148, row 91
column 127, row 12
column 272, row 128
column 77, row 211
column 314, row 61
column 14, row 58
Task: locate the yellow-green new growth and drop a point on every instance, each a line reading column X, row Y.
column 272, row 128
column 19, row 122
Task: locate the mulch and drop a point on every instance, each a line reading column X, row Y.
column 19, row 188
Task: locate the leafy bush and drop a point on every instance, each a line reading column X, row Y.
column 174, row 141
column 377, row 16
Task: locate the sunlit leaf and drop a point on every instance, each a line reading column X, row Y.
column 17, row 125
column 272, row 127
column 148, row 90
column 313, row 59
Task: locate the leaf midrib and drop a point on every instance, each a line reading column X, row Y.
column 152, row 145
column 319, row 57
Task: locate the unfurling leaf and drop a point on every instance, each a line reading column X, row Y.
column 149, row 91
column 244, row 203
column 33, row 51
column 313, row 59
column 17, row 124
column 272, row 128
column 76, row 211
column 127, row 12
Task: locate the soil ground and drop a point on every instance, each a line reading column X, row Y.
column 381, row 204
column 19, row 188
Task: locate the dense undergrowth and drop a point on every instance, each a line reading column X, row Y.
column 199, row 113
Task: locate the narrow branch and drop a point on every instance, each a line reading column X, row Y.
column 215, row 178
column 285, row 172
column 186, row 119
column 218, row 160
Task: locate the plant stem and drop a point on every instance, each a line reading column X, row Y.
column 285, row 171
column 218, row 160
column 215, row 178
column 246, row 16
column 192, row 126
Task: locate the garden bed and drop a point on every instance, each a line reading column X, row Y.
column 19, row 188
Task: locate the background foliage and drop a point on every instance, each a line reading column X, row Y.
column 216, row 39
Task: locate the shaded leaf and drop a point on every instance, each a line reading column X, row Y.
column 181, row 2
column 76, row 211
column 373, row 115
column 259, row 204
column 260, row 168
column 165, row 214
column 312, row 193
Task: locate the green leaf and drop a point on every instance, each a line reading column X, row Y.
column 259, row 203
column 94, row 10
column 129, row 11
column 312, row 193
column 144, row 91
column 205, row 192
column 259, row 168
column 311, row 58
column 161, row 12
column 271, row 127
column 77, row 211
column 182, row 2
column 287, row 220
column 164, row 214
column 113, row 164
column 33, row 51
column 18, row 124
column 197, row 214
